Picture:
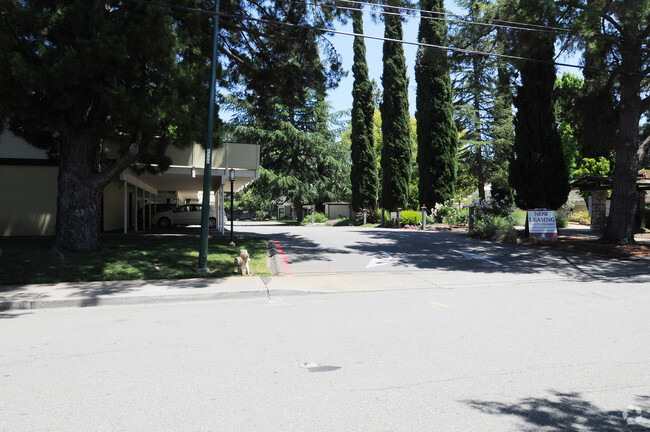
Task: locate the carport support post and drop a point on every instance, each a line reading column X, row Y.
column 312, row 216
column 232, row 204
column 126, row 206
column 365, row 215
column 135, row 209
column 205, row 210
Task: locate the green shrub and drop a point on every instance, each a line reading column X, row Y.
column 581, row 217
column 372, row 217
column 390, row 223
column 450, row 213
column 519, row 217
column 344, row 222
column 490, row 225
column 319, row 217
column 411, row 217
column 443, row 211
column 457, row 216
column 493, row 220
column 561, row 219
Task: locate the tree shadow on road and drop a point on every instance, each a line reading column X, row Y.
column 569, row 412
column 459, row 252
column 456, row 251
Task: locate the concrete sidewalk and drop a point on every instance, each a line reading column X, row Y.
column 85, row 294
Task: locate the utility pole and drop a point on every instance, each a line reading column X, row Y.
column 205, row 211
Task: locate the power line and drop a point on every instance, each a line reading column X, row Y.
column 379, row 38
column 479, row 21
column 438, row 16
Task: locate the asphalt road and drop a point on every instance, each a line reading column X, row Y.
column 560, row 357
column 494, row 338
column 329, row 250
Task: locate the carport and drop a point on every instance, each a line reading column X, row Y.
column 181, row 183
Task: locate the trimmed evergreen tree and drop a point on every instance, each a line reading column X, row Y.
column 502, row 131
column 363, row 173
column 436, row 131
column 396, row 125
column 538, row 170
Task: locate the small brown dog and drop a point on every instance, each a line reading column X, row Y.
column 242, row 263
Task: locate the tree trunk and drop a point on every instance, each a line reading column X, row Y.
column 622, row 214
column 79, row 199
column 81, row 184
column 480, row 176
column 297, row 205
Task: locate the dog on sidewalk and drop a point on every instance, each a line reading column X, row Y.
column 242, row 263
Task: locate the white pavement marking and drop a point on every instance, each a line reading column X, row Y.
column 439, row 304
column 476, row 256
column 386, row 259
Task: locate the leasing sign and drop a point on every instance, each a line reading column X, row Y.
column 542, row 224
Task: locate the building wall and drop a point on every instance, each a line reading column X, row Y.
column 28, row 180
column 114, row 206
column 29, row 200
column 337, row 210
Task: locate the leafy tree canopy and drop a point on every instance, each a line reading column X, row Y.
column 79, row 77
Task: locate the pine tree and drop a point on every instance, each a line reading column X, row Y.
column 396, row 149
column 628, row 28
column 363, row 173
column 597, row 106
column 288, row 116
column 78, row 75
column 436, row 131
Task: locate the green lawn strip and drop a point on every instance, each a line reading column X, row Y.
column 30, row 260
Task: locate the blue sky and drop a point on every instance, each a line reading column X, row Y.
column 341, row 97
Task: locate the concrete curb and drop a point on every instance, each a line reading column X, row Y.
column 124, row 300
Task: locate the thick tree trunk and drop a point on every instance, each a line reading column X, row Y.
column 81, row 184
column 78, row 212
column 622, row 214
column 79, row 198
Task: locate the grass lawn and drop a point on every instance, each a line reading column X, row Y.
column 27, row 260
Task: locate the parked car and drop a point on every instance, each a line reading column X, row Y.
column 155, row 209
column 188, row 214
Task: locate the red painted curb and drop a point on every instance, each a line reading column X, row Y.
column 285, row 263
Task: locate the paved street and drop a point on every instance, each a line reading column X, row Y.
column 375, row 330
column 328, row 250
column 520, row 357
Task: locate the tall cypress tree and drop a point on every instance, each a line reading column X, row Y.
column 437, row 135
column 396, row 125
column 503, row 135
column 363, row 174
column 538, row 170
